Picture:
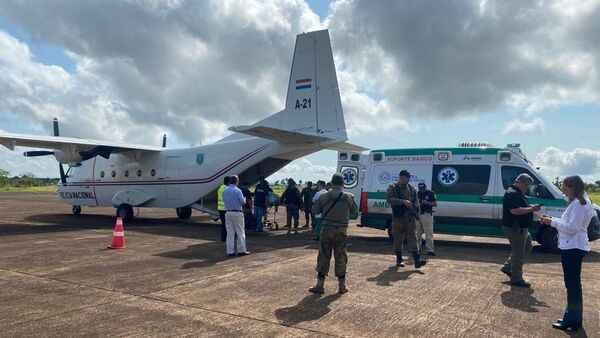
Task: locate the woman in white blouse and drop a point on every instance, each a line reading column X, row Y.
column 574, row 245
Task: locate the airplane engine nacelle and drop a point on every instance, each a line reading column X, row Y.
column 65, row 158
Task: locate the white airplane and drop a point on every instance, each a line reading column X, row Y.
column 126, row 176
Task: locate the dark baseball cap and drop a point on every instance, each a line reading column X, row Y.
column 422, row 185
column 405, row 173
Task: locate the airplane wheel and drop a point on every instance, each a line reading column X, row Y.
column 76, row 210
column 125, row 211
column 184, row 213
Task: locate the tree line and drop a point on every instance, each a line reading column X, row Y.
column 25, row 180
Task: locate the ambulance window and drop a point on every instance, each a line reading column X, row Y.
column 355, row 157
column 343, row 156
column 113, row 173
column 126, row 173
column 102, row 174
column 505, row 156
column 461, row 179
column 377, row 157
column 139, row 173
column 537, row 189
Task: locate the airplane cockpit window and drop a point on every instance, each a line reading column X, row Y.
column 139, row 173
column 153, row 172
column 199, row 159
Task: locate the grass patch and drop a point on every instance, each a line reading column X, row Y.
column 45, row 188
column 595, row 197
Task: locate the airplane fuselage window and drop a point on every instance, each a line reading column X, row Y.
column 139, row 173
column 126, row 173
column 153, row 172
column 113, row 173
column 102, row 174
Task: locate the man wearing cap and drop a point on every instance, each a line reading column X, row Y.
column 427, row 200
column 405, row 210
column 335, row 207
column 517, row 217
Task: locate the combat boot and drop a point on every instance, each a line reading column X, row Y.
column 418, row 262
column 399, row 261
column 320, row 287
column 342, row 282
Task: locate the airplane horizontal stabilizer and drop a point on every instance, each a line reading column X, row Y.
column 345, row 146
column 280, row 135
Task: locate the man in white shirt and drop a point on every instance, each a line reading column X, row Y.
column 320, row 191
column 234, row 217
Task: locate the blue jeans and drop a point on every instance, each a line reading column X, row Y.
column 259, row 213
column 572, row 260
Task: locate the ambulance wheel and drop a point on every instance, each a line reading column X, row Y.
column 76, row 210
column 550, row 240
column 125, row 211
column 184, row 212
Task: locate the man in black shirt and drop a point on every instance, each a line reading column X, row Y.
column 517, row 217
column 427, row 201
column 260, row 202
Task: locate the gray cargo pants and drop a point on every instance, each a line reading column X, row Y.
column 520, row 249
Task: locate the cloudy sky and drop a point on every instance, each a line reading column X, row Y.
column 411, row 73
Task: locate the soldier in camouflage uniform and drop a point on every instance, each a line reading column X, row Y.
column 405, row 208
column 335, row 206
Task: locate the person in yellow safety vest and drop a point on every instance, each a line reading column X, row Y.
column 221, row 207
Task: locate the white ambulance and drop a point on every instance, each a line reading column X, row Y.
column 469, row 181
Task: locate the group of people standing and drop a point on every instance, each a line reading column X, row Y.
column 330, row 209
column 572, row 239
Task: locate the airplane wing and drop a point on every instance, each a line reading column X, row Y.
column 292, row 137
column 75, row 148
column 59, row 142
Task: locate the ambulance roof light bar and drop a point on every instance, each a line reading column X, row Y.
column 475, row 145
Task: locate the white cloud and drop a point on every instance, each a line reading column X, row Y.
column 555, row 162
column 518, row 126
column 304, row 170
column 470, row 57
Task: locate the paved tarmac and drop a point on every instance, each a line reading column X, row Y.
column 57, row 279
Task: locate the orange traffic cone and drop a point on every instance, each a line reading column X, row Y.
column 118, row 240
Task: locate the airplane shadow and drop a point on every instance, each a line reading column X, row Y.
column 312, row 307
column 392, row 274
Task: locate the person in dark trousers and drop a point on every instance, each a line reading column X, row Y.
column 517, row 217
column 221, row 207
column 293, row 203
column 307, row 194
column 574, row 245
column 260, row 203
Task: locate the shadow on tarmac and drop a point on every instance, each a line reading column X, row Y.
column 200, row 227
column 392, row 274
column 312, row 307
column 521, row 299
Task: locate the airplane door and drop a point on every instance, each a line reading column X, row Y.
column 173, row 191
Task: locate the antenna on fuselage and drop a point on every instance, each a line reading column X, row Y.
column 164, row 141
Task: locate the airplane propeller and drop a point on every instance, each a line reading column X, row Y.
column 35, row 153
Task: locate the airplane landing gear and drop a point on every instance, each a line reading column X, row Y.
column 76, row 210
column 125, row 211
column 184, row 212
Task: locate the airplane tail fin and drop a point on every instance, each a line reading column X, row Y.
column 313, row 104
